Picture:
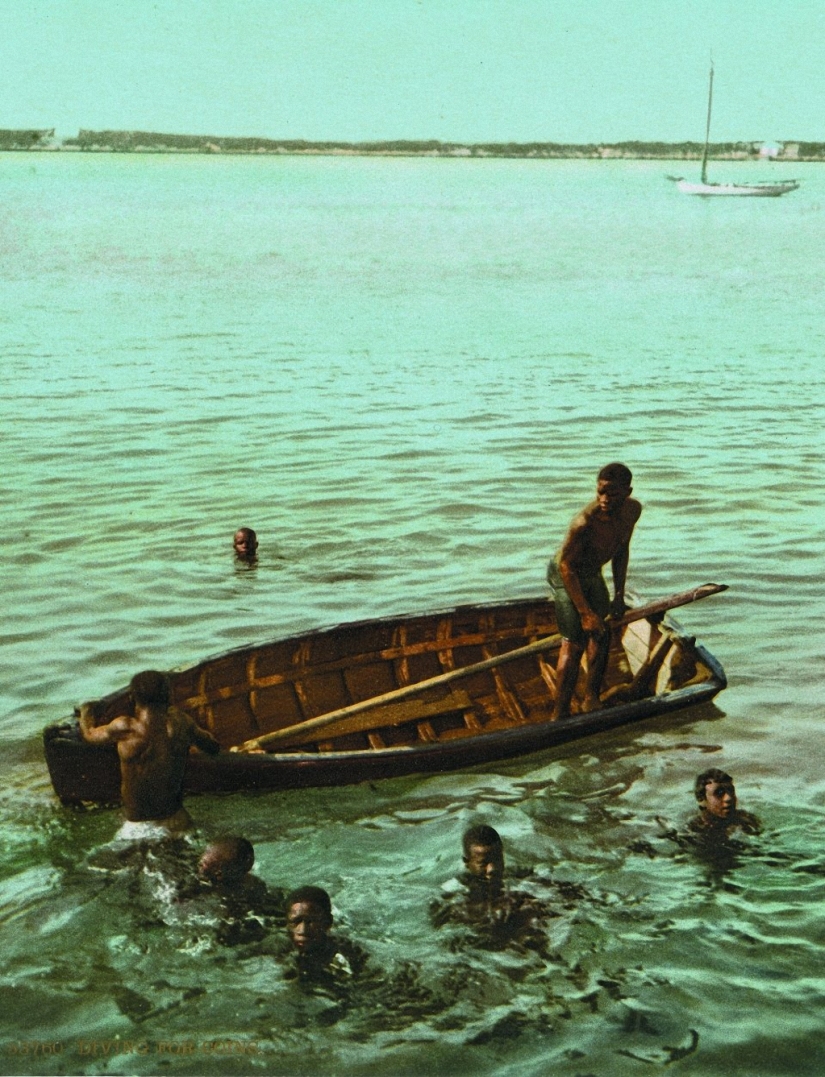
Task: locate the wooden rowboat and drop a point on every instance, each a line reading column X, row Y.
column 399, row 695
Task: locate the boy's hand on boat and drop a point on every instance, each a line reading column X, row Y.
column 618, row 607
column 593, row 623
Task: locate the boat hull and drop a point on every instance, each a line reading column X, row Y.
column 499, row 714
column 737, row 190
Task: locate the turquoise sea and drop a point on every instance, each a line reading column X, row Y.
column 405, row 373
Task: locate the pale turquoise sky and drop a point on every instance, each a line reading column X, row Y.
column 464, row 70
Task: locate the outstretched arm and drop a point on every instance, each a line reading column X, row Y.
column 110, row 733
column 203, row 739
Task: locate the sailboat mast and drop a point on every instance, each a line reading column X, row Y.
column 707, row 129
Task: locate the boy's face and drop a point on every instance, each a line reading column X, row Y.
column 720, row 799
column 245, row 545
column 210, row 868
column 485, row 862
column 611, row 496
column 307, row 925
column 221, row 869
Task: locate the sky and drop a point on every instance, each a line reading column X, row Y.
column 454, row 70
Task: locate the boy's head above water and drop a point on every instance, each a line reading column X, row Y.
column 308, row 918
column 245, row 542
column 483, row 854
column 227, row 861
column 716, row 793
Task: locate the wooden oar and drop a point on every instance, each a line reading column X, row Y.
column 383, row 716
column 288, row 733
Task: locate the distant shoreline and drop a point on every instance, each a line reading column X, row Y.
column 43, row 141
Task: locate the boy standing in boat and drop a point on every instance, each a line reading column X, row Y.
column 153, row 745
column 601, row 532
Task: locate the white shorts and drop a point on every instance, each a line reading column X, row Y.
column 156, row 829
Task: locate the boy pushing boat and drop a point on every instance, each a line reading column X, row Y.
column 153, row 745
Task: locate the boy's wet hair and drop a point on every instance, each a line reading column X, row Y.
column 712, row 775
column 150, row 689
column 310, row 895
column 232, row 856
column 480, row 835
column 616, row 472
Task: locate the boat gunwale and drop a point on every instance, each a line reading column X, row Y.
column 248, row 649
column 657, row 703
column 273, row 771
column 392, row 618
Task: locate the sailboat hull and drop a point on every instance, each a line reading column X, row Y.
column 738, row 190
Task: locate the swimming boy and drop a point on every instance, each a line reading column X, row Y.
column 153, row 745
column 483, row 856
column 226, row 863
column 479, row 898
column 248, row 907
column 320, row 956
column 718, row 814
column 601, row 532
column 245, row 543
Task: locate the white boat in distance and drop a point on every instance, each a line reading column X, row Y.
column 766, row 189
column 757, row 189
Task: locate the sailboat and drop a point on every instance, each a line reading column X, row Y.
column 758, row 189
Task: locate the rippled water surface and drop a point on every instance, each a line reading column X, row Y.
column 405, row 374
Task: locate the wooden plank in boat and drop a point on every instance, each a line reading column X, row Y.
column 392, row 714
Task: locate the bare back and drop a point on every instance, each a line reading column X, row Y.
column 153, row 746
column 152, row 764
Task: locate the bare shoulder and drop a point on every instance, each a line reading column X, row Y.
column 179, row 719
column 633, row 509
column 109, row 733
column 120, row 726
column 578, row 533
column 582, row 520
